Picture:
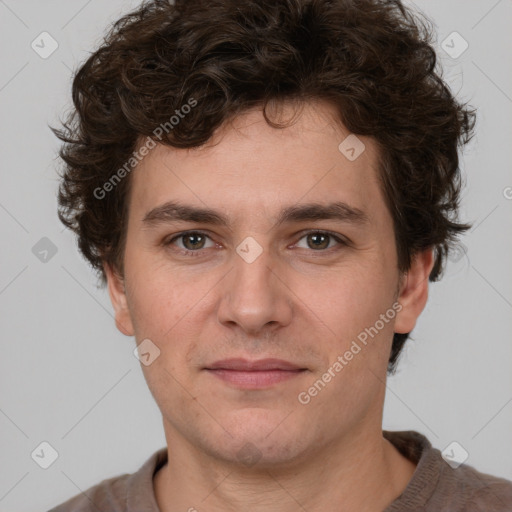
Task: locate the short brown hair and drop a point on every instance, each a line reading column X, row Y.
column 371, row 59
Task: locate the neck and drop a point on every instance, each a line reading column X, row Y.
column 364, row 472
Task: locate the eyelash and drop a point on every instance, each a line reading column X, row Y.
column 188, row 252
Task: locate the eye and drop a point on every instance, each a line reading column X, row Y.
column 193, row 241
column 320, row 240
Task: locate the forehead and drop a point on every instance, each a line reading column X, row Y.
column 249, row 168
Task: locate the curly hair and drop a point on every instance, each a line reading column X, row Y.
column 372, row 60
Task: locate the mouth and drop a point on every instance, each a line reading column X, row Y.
column 246, row 374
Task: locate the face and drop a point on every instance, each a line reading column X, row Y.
column 266, row 277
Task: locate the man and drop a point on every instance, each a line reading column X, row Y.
column 267, row 189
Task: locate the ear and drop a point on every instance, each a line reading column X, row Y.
column 413, row 292
column 117, row 294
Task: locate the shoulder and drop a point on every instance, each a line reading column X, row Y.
column 128, row 492
column 437, row 486
column 480, row 491
column 109, row 494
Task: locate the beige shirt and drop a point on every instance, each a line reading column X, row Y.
column 434, row 486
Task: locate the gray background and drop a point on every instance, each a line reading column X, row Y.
column 69, row 378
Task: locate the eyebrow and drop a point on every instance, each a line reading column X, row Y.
column 174, row 211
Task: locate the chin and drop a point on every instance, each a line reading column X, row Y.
column 259, row 441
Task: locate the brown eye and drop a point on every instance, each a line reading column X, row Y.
column 321, row 240
column 191, row 241
column 318, row 241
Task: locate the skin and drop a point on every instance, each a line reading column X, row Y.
column 295, row 302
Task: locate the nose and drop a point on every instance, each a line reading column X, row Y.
column 255, row 296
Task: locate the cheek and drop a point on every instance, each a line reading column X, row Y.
column 156, row 302
column 348, row 311
column 171, row 309
column 354, row 295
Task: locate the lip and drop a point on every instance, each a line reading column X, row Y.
column 246, row 374
column 245, row 365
